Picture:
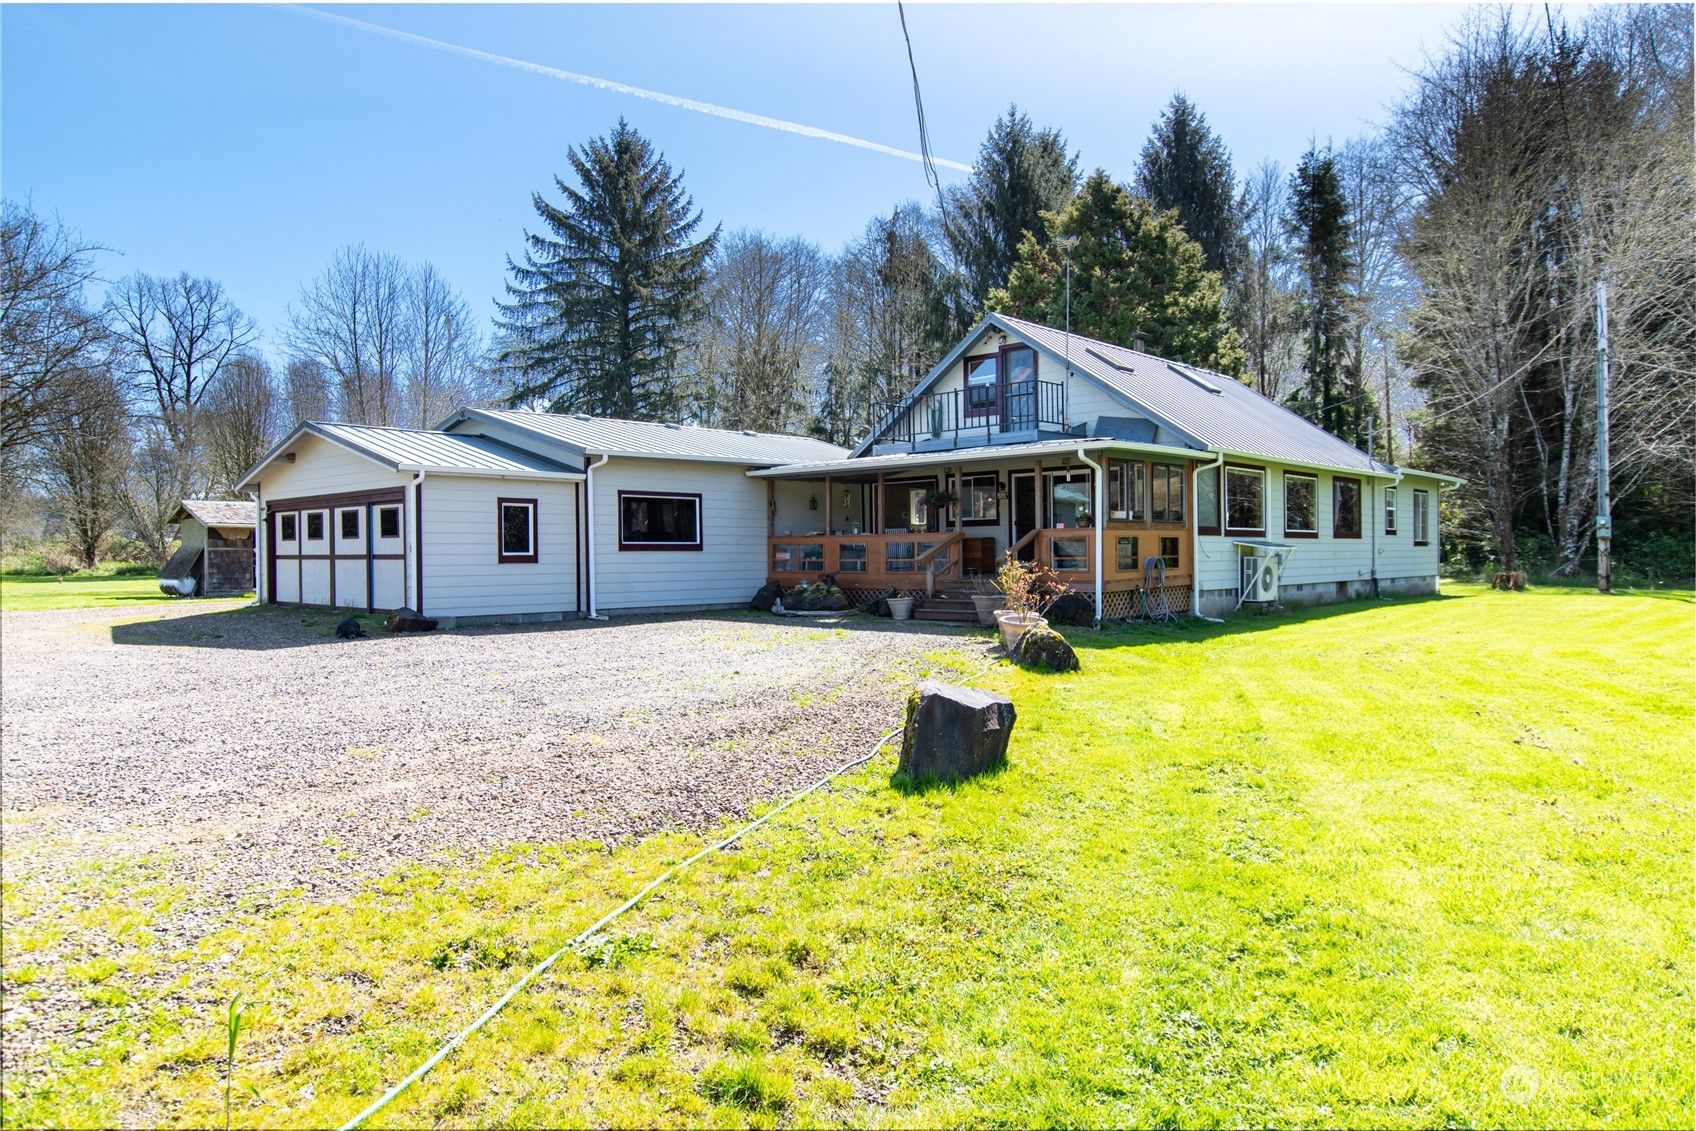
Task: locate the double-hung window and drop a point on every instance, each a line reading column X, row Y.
column 1207, row 500
column 1301, row 504
column 1245, row 500
column 658, row 522
column 1389, row 510
column 1421, row 518
column 1345, row 503
column 515, row 531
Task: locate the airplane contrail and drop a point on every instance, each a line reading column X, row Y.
column 716, row 111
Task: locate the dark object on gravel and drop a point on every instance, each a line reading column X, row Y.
column 1042, row 647
column 954, row 732
column 408, row 620
column 768, row 596
column 350, row 629
column 878, row 606
column 817, row 597
column 1073, row 609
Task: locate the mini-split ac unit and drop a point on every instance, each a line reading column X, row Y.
column 1259, row 577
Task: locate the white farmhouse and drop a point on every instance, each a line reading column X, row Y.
column 1143, row 482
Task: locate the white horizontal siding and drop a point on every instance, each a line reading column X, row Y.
column 462, row 573
column 728, row 569
column 320, row 468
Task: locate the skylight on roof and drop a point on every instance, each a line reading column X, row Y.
column 1191, row 375
column 1121, row 366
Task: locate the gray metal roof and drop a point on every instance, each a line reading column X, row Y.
column 641, row 439
column 215, row 512
column 411, row 449
column 1219, row 411
column 990, row 453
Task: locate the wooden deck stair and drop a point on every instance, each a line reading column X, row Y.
column 952, row 604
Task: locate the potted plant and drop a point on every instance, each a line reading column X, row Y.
column 987, row 599
column 901, row 607
column 1029, row 587
column 939, row 501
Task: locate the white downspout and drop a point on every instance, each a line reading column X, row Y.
column 410, row 581
column 1195, row 535
column 589, row 534
column 1100, row 528
column 260, row 549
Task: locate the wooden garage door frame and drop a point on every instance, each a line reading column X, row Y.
column 369, row 500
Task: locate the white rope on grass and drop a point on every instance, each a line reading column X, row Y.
column 487, row 1015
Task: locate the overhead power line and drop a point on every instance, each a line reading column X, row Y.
column 925, row 154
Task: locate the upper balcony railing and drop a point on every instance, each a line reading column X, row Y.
column 1031, row 407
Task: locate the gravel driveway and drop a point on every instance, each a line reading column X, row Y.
column 252, row 747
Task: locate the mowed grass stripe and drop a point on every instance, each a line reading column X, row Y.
column 1393, row 863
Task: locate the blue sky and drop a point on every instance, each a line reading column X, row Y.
column 248, row 143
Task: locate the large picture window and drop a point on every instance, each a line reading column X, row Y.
column 1166, row 493
column 1345, row 501
column 982, row 386
column 1245, row 500
column 1421, row 518
column 516, row 530
column 1301, row 505
column 1127, row 490
column 659, row 522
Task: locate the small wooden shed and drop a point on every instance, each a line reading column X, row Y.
column 216, row 550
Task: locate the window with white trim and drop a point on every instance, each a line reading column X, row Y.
column 388, row 522
column 315, row 526
column 517, row 531
column 1389, row 510
column 1301, row 503
column 1245, row 500
column 1421, row 518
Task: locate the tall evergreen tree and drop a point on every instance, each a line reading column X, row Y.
column 1184, row 166
column 602, row 308
column 1020, row 174
column 1320, row 239
column 1134, row 271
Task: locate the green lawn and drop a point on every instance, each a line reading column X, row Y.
column 1407, row 863
column 18, row 592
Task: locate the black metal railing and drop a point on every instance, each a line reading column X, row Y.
column 961, row 414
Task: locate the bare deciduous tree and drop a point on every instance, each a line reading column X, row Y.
column 444, row 360
column 243, row 418
column 354, row 320
column 307, row 389
column 1267, row 302
column 46, row 329
column 754, row 365
column 82, row 459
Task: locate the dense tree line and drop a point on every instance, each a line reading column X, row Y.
column 1425, row 290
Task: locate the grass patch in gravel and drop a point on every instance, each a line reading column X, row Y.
column 1404, row 863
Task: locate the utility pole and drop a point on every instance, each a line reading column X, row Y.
column 1389, row 413
column 1604, row 503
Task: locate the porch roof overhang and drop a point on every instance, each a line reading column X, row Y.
column 869, row 467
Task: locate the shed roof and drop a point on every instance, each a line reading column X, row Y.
column 412, row 449
column 643, row 439
column 215, row 512
column 948, row 458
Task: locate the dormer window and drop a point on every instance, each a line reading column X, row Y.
column 982, row 386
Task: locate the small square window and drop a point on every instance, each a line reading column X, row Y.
column 1128, row 554
column 315, row 526
column 350, row 523
column 1169, row 552
column 288, row 528
column 388, row 522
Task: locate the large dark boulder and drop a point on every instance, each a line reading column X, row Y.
column 1072, row 608
column 1042, row 647
column 410, row 620
column 770, row 593
column 349, row 629
column 954, row 732
column 819, row 597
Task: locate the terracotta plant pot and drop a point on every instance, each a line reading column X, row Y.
column 1014, row 625
column 901, row 608
column 988, row 604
